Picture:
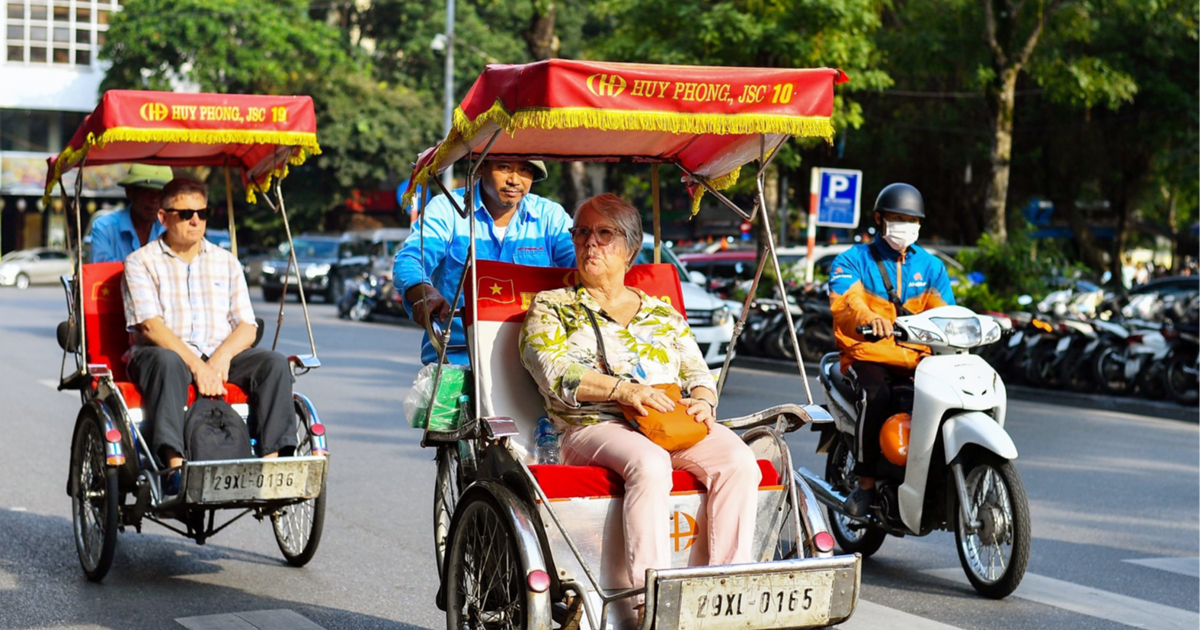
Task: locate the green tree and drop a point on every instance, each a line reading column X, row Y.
column 369, row 131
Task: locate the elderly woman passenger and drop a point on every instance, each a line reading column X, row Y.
column 647, row 343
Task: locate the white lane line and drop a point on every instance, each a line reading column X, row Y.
column 1092, row 602
column 868, row 616
column 19, row 509
column 252, row 620
column 53, row 384
column 1182, row 566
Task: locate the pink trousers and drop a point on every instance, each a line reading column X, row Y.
column 721, row 461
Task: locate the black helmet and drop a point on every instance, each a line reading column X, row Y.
column 901, row 199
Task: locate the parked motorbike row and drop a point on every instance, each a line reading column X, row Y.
column 366, row 295
column 1107, row 349
column 766, row 333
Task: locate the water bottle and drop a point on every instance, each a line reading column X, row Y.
column 546, row 437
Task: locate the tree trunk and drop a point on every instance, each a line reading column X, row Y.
column 540, row 38
column 576, row 185
column 996, row 198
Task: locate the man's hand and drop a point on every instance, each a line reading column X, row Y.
column 881, row 328
column 208, row 381
column 641, row 396
column 220, row 364
column 701, row 409
column 427, row 301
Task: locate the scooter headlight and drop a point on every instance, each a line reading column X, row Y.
column 991, row 331
column 315, row 271
column 960, row 332
column 926, row 336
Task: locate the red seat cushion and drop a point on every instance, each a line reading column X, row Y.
column 568, row 482
column 133, row 398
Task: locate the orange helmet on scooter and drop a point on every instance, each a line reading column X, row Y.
column 893, row 439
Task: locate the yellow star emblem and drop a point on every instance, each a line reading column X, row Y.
column 496, row 289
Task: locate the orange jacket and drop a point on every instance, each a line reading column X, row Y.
column 857, row 296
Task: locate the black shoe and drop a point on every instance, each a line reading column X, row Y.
column 859, row 502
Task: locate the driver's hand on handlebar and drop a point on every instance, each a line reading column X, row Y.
column 881, row 328
column 641, row 397
column 432, row 304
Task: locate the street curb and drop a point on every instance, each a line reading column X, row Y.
column 1139, row 406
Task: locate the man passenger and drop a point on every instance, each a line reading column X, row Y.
column 187, row 303
column 511, row 225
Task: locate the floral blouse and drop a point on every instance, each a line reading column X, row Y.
column 558, row 346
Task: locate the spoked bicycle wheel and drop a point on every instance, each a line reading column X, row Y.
column 95, row 500
column 446, row 491
column 994, row 554
column 298, row 526
column 484, row 576
column 852, row 536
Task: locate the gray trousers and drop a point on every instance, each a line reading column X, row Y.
column 163, row 378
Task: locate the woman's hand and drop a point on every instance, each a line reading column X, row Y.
column 641, row 397
column 701, row 409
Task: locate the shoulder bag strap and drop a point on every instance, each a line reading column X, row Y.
column 887, row 283
column 599, row 341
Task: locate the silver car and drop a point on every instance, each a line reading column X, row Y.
column 42, row 265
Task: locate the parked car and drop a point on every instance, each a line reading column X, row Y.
column 324, row 262
column 253, row 257
column 710, row 318
column 42, row 265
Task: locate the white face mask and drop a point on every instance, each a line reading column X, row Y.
column 900, row 234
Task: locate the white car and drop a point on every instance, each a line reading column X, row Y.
column 709, row 316
column 42, row 265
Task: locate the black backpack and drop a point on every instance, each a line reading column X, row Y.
column 213, row 430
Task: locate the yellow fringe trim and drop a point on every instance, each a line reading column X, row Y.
column 721, row 183
column 306, row 142
column 466, row 129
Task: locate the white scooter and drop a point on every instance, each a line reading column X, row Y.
column 958, row 474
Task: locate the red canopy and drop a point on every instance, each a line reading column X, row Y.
column 707, row 119
column 258, row 135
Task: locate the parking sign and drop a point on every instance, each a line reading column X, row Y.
column 838, row 198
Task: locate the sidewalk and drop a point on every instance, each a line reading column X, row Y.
column 1125, row 404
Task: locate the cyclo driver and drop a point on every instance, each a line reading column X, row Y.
column 872, row 284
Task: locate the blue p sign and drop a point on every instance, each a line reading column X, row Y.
column 839, row 198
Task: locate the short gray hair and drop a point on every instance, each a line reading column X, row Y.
column 621, row 212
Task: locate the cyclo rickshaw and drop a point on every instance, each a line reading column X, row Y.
column 115, row 481
column 522, row 545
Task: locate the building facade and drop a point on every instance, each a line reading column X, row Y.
column 49, row 81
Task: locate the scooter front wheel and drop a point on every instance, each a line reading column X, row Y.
column 994, row 550
column 852, row 536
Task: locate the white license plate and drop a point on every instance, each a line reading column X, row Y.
column 244, row 482
column 780, row 600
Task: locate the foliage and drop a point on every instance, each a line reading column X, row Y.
column 1020, row 265
column 369, row 131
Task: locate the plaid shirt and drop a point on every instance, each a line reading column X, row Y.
column 201, row 302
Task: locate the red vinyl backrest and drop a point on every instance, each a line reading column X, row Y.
column 104, row 316
column 506, row 290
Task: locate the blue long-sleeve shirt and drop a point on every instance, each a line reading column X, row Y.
column 114, row 238
column 536, row 235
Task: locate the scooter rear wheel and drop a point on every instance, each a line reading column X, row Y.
column 852, row 536
column 994, row 554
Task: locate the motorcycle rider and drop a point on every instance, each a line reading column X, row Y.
column 872, row 284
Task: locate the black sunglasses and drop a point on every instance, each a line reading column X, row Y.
column 186, row 215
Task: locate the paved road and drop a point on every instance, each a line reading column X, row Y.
column 1114, row 499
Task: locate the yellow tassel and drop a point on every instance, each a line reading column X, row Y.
column 721, row 183
column 304, row 144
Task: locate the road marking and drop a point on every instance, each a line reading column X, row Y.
column 53, row 384
column 19, row 509
column 253, row 620
column 868, row 616
column 1092, row 602
column 1182, row 566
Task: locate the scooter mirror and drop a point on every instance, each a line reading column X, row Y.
column 1025, row 300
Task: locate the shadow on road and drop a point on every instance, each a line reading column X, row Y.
column 154, row 580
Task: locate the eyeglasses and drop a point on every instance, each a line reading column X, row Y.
column 604, row 235
column 186, row 215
